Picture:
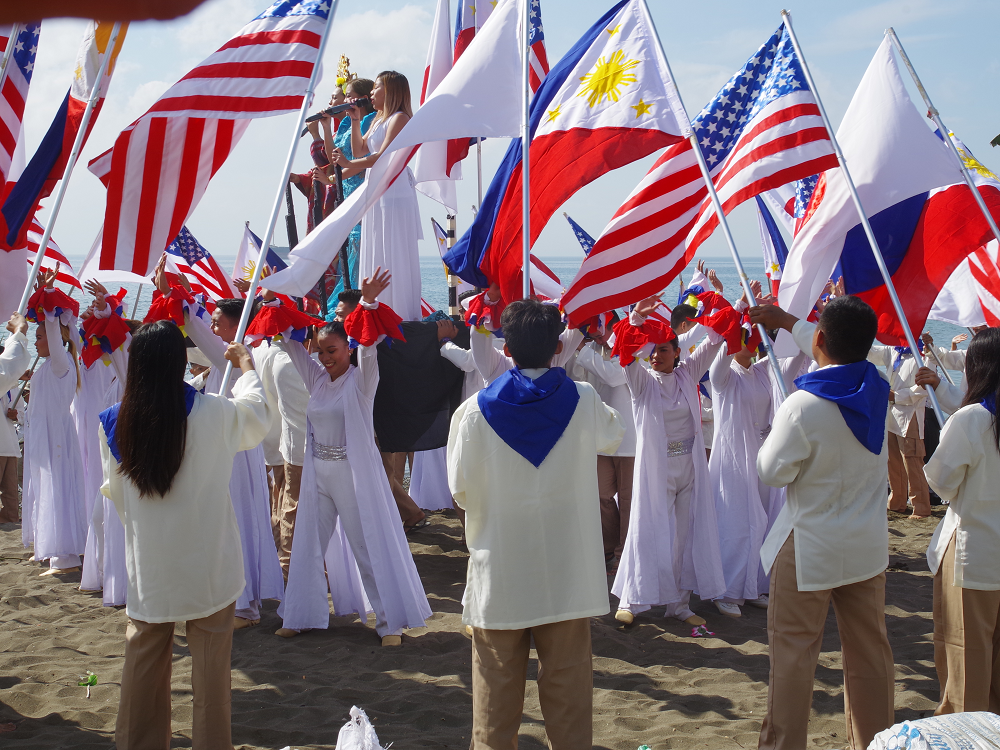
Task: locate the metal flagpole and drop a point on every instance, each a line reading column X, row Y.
column 8, row 52
column 724, row 224
column 525, row 152
column 945, row 133
column 95, row 94
column 241, row 329
column 450, row 278
column 13, row 404
column 876, row 250
column 135, row 305
column 479, row 169
column 937, row 360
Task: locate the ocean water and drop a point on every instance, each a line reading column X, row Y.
column 435, row 288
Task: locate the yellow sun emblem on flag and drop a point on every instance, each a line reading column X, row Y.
column 608, row 76
column 248, row 270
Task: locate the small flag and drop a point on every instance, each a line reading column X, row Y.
column 585, row 240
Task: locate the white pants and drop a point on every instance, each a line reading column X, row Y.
column 335, row 493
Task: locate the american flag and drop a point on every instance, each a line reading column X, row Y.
column 53, row 255
column 585, row 240
column 161, row 165
column 537, row 58
column 186, row 256
column 14, row 92
column 426, row 308
column 761, row 131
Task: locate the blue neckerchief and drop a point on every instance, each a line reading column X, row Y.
column 530, row 415
column 990, row 402
column 860, row 392
column 902, row 352
column 701, row 386
column 109, row 420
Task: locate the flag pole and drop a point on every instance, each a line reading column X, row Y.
column 479, row 168
column 876, row 250
column 724, row 224
column 241, row 329
column 15, row 29
column 945, row 133
column 74, row 154
column 525, row 152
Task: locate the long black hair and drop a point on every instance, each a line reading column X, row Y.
column 152, row 420
column 982, row 371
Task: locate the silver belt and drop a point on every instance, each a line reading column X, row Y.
column 329, row 452
column 764, row 433
column 680, row 447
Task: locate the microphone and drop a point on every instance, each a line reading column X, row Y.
column 331, row 111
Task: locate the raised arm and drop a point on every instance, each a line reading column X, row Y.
column 201, row 334
column 313, row 374
column 720, row 371
column 570, row 338
column 490, row 362
column 698, row 363
column 15, row 358
column 606, row 370
column 60, row 360
column 461, row 358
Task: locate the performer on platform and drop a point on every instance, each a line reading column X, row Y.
column 14, row 362
column 54, row 507
column 672, row 547
column 346, row 514
column 391, row 228
column 522, row 464
column 830, row 542
column 965, row 550
column 162, row 448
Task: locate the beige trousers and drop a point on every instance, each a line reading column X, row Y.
column 8, row 489
column 292, row 480
column 614, row 477
column 144, row 709
column 795, row 621
column 966, row 643
column 565, row 684
column 275, row 484
column 906, row 472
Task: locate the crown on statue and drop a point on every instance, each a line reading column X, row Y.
column 343, row 71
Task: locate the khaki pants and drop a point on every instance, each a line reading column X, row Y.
column 614, row 476
column 144, row 710
column 289, row 506
column 275, row 484
column 966, row 643
column 565, row 684
column 8, row 490
column 906, row 472
column 795, row 621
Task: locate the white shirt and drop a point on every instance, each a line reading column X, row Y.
column 182, row 550
column 492, row 362
column 14, row 361
column 910, row 397
column 464, row 361
column 608, row 378
column 965, row 472
column 263, row 358
column 836, row 491
column 534, row 535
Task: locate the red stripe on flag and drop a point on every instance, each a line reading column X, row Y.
column 283, row 36
column 187, row 178
column 234, row 104
column 779, row 144
column 115, row 184
column 149, row 193
column 260, row 70
column 223, row 143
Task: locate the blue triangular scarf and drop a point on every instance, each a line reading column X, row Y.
column 860, row 392
column 902, row 352
column 109, row 420
column 530, row 415
column 990, row 402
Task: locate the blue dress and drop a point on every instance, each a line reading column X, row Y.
column 342, row 140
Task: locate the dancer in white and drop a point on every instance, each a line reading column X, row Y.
column 54, row 507
column 14, row 362
column 391, row 228
column 672, row 546
column 248, row 482
column 343, row 481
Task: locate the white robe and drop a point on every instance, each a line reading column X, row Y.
column 247, row 487
column 54, row 509
column 400, row 590
column 647, row 574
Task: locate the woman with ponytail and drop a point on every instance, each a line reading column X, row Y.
column 54, row 504
column 166, row 451
column 964, row 553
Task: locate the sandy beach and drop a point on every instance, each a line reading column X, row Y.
column 654, row 684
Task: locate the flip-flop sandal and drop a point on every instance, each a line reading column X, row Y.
column 422, row 523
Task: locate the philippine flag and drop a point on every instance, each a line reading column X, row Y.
column 608, row 102
column 49, row 162
column 898, row 166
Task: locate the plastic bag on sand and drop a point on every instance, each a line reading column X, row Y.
column 358, row 733
column 978, row 730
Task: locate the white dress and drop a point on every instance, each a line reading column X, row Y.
column 672, row 546
column 346, row 516
column 54, row 506
column 389, row 234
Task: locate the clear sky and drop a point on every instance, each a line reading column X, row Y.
column 950, row 43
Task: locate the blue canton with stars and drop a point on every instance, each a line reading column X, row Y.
column 187, row 247
column 803, row 192
column 283, row 8
column 585, row 240
column 771, row 73
column 25, row 47
column 535, row 15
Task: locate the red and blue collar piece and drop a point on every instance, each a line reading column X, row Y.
column 485, row 315
column 368, row 326
column 104, row 335
column 171, row 306
column 279, row 318
column 52, row 304
column 632, row 341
